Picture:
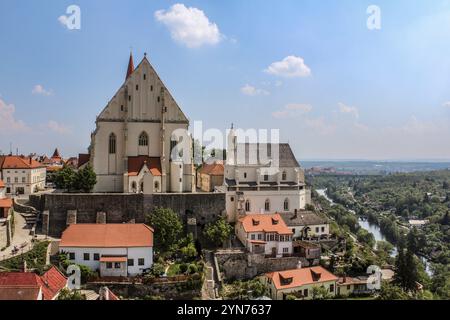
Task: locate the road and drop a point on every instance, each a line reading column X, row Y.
column 21, row 236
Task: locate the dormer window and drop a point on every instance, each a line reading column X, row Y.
column 274, row 221
column 255, row 222
column 285, row 281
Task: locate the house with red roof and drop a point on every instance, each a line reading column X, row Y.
column 30, row 286
column 300, row 282
column 5, row 203
column 22, row 175
column 115, row 250
column 265, row 234
column 210, row 176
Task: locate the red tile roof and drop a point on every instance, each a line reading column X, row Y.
column 19, row 162
column 2, row 184
column 6, row 203
column 107, row 236
column 83, row 158
column 135, row 165
column 113, row 259
column 214, row 169
column 51, row 283
column 264, row 223
column 19, row 286
column 300, row 277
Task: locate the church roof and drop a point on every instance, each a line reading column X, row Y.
column 253, row 154
column 130, row 69
column 302, row 218
column 135, row 165
column 56, row 154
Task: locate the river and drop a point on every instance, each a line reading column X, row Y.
column 375, row 230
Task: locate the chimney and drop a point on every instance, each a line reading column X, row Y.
column 299, row 265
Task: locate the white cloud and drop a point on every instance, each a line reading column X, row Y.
column 289, row 67
column 343, row 108
column 292, row 110
column 40, row 90
column 446, row 104
column 249, row 90
column 189, row 26
column 8, row 122
column 320, row 126
column 57, row 127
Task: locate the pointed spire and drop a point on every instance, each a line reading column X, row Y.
column 130, row 69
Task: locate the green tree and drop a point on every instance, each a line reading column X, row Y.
column 187, row 248
column 85, row 179
column 65, row 178
column 320, row 293
column 66, row 294
column 218, row 232
column 392, row 292
column 168, row 229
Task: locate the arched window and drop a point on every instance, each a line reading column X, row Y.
column 286, row 204
column 156, row 185
column 143, row 139
column 267, row 205
column 133, row 186
column 142, row 187
column 112, row 143
column 247, row 206
column 283, row 176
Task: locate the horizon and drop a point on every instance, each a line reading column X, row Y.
column 337, row 89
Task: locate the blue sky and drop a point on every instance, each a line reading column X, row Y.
column 355, row 93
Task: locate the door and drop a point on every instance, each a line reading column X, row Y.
column 274, row 251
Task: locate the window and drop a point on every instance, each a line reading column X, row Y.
column 71, row 255
column 112, row 143
column 332, row 288
column 141, row 261
column 96, row 256
column 266, row 177
column 129, row 98
column 116, row 265
column 130, row 262
column 232, row 199
column 245, row 175
column 267, row 205
column 156, row 185
column 259, row 236
column 133, row 186
column 285, row 250
column 109, row 265
column 121, row 108
column 247, row 206
column 86, row 257
column 323, row 229
column 284, row 175
column 143, row 139
column 23, row 179
column 253, row 237
column 145, row 76
column 317, row 229
column 8, row 180
column 159, row 99
column 173, row 144
column 293, row 231
column 16, row 179
column 286, row 204
column 305, row 292
column 151, row 88
column 137, row 87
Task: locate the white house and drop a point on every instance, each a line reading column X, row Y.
column 265, row 234
column 306, row 224
column 22, row 175
column 115, row 250
column 133, row 148
column 262, row 177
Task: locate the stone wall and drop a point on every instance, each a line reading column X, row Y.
column 240, row 265
column 119, row 208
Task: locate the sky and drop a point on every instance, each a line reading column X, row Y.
column 339, row 79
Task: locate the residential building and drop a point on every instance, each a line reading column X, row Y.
column 210, row 176
column 262, row 177
column 307, row 250
column 115, row 250
column 22, row 175
column 5, row 203
column 141, row 142
column 30, row 286
column 300, row 282
column 353, row 286
column 265, row 234
column 306, row 224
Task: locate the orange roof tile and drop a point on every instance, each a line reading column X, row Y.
column 19, row 162
column 2, row 184
column 264, row 223
column 113, row 259
column 300, row 277
column 6, row 203
column 214, row 169
column 135, row 165
column 51, row 283
column 107, row 236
